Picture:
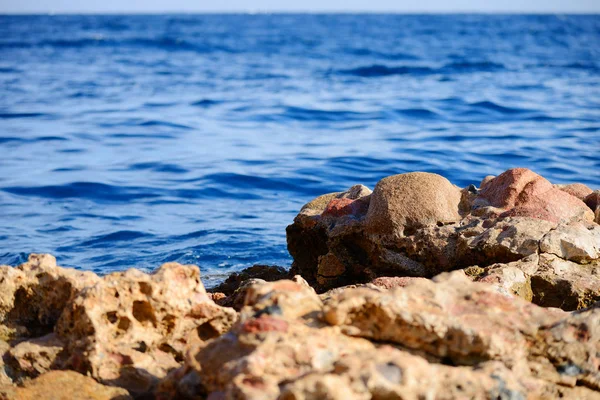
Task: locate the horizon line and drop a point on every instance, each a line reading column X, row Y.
column 322, row 12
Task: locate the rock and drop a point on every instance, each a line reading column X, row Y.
column 523, row 193
column 512, row 279
column 449, row 317
column 402, row 236
column 264, row 272
column 130, row 329
column 388, row 373
column 444, row 339
column 31, row 358
column 33, row 295
column 578, row 190
column 565, row 284
column 404, row 202
column 592, row 200
column 575, row 242
column 5, row 371
column 63, row 385
column 390, row 282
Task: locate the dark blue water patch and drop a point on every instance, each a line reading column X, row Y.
column 371, row 53
column 205, row 103
column 85, row 190
column 379, row 70
column 111, row 238
column 316, row 115
column 239, row 181
column 22, row 115
column 418, row 113
column 491, row 106
column 157, row 167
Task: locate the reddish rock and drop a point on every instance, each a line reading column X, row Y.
column 578, row 190
column 390, row 282
column 264, row 324
column 523, row 193
column 345, row 206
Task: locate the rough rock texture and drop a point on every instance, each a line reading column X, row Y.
column 444, row 339
column 63, row 385
column 33, row 295
column 522, row 192
column 413, row 200
column 131, row 328
column 419, row 225
column 33, row 357
column 578, row 190
column 5, row 371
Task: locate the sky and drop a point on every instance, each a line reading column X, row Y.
column 409, row 6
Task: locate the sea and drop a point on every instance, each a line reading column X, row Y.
column 134, row 140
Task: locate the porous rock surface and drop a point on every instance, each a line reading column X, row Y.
column 127, row 329
column 419, row 225
column 446, row 338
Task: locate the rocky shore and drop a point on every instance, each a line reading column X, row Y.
column 415, row 290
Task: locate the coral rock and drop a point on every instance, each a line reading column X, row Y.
column 33, row 295
column 131, row 328
column 31, row 358
column 578, row 190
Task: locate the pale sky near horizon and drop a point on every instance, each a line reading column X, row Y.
column 155, row 6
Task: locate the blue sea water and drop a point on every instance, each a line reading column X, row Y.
column 128, row 141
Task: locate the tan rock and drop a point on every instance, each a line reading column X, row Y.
column 412, row 200
column 448, row 317
column 510, row 279
column 33, row 295
column 131, row 328
column 565, row 284
column 388, row 373
column 575, row 242
column 5, row 371
column 33, row 357
column 64, row 385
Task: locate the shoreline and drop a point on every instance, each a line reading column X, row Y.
column 416, row 288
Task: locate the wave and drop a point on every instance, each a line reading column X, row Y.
column 378, row 70
column 491, row 106
column 99, row 192
column 162, row 43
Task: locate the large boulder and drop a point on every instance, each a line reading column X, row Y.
column 405, row 202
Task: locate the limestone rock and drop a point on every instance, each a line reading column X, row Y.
column 33, row 295
column 413, row 200
column 63, row 385
column 5, row 372
column 34, row 357
column 131, row 328
column 388, row 373
column 575, row 242
column 565, row 284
